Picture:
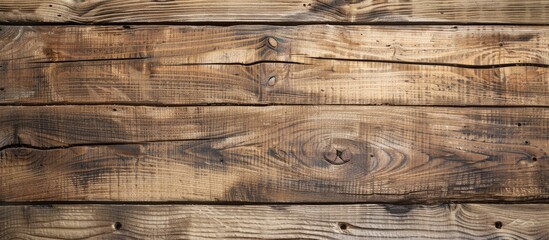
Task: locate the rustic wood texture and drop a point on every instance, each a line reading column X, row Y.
column 124, row 119
column 454, row 221
column 280, row 11
column 274, row 154
column 466, row 45
column 174, row 65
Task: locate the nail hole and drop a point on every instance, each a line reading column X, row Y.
column 221, row 160
column 501, row 44
column 1, row 89
column 114, row 110
column 519, row 124
column 371, row 155
column 498, row 224
column 51, row 5
column 534, row 159
column 342, row 226
column 59, row 15
column 117, row 226
column 526, row 142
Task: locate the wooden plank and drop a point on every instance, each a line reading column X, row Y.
column 454, row 221
column 274, row 154
column 144, row 82
column 282, row 11
column 246, row 44
column 168, row 65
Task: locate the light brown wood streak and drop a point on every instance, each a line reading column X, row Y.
column 454, row 221
column 274, row 154
column 280, row 11
column 175, row 65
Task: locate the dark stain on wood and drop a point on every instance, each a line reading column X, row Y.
column 399, row 210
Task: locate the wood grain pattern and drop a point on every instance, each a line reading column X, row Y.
column 454, row 221
column 124, row 126
column 246, row 44
column 167, row 65
column 274, row 154
column 281, row 11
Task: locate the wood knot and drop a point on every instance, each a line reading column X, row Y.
column 337, row 156
column 272, row 42
column 22, row 152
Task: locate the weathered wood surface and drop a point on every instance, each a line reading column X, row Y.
column 280, row 11
column 169, row 65
column 104, row 115
column 274, row 154
column 466, row 45
column 454, row 221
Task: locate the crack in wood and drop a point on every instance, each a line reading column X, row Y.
column 487, row 66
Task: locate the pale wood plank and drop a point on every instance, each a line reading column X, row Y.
column 281, row 11
column 454, row 221
column 274, row 154
column 175, row 65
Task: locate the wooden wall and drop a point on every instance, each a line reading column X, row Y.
column 322, row 119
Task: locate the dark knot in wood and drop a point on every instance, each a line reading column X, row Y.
column 337, row 156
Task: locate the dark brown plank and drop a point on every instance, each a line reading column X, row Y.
column 281, row 11
column 274, row 154
column 167, row 65
column 455, row 221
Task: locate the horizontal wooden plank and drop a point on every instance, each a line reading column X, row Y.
column 323, row 82
column 281, row 11
column 454, row 221
column 466, row 45
column 174, row 65
column 274, row 154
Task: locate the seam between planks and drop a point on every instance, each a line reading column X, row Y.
column 252, row 203
column 289, row 24
column 149, row 104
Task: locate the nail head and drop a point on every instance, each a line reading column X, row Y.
column 272, row 42
column 271, row 81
